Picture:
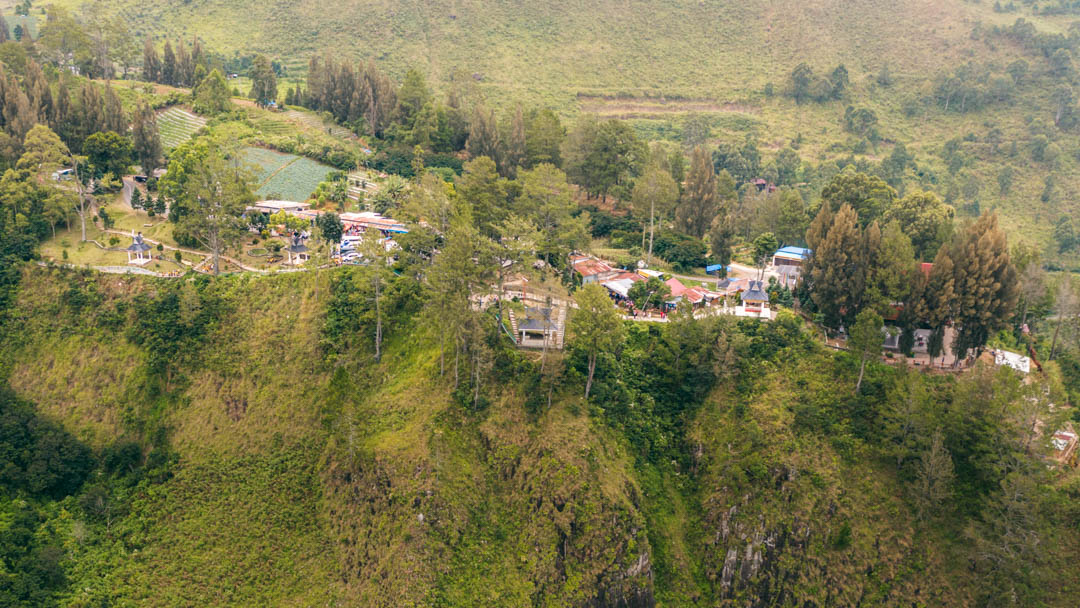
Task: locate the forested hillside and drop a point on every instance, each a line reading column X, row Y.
column 219, row 455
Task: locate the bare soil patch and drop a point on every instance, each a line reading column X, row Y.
column 641, row 107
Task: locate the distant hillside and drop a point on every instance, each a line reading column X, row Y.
column 562, row 47
column 657, row 62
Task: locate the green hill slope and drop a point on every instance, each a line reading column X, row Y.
column 260, row 472
column 715, row 48
column 657, row 62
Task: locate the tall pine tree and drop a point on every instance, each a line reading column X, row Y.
column 151, row 62
column 147, row 141
column 515, row 144
column 168, row 66
column 263, row 81
column 484, row 136
column 985, row 282
column 835, row 272
column 115, row 118
column 699, row 204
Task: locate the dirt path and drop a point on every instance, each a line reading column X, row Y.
column 203, row 254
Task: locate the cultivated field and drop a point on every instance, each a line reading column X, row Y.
column 176, row 125
column 284, row 176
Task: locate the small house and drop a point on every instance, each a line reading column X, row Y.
column 789, row 275
column 790, row 256
column 732, row 286
column 1064, row 444
column 620, row 285
column 63, row 174
column 272, row 207
column 591, row 269
column 358, row 223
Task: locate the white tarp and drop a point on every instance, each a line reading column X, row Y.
column 1018, row 362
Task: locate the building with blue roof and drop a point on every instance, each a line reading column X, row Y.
column 791, row 256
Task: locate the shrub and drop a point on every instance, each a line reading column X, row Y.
column 682, row 251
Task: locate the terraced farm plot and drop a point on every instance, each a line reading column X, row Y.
column 296, row 181
column 177, row 125
column 264, row 163
column 284, row 176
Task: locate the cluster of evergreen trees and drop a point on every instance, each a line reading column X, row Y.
column 856, row 266
column 177, row 67
column 352, row 94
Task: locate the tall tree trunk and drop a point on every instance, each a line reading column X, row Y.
column 378, row 321
column 862, row 370
column 217, row 257
column 1057, row 330
column 476, row 379
column 652, row 230
column 457, row 363
column 592, row 370
column 442, row 354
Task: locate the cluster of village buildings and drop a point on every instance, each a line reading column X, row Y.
column 747, row 293
column 543, row 326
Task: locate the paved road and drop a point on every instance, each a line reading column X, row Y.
column 738, row 271
column 126, row 192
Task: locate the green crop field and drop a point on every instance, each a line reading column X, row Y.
column 29, row 24
column 284, row 176
column 264, row 163
column 177, row 125
column 296, row 181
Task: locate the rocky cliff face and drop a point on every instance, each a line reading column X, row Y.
column 802, row 527
column 459, row 513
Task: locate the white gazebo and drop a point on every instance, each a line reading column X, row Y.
column 137, row 252
column 298, row 249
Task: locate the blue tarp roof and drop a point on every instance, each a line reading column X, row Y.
column 799, row 252
column 717, row 268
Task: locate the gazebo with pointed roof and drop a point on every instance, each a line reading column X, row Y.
column 137, row 251
column 297, row 247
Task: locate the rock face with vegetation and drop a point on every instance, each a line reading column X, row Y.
column 218, row 443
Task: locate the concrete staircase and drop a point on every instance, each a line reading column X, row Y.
column 513, row 325
column 560, row 324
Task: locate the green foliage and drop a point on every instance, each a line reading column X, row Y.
column 39, row 457
column 649, row 294
column 108, row 153
column 349, row 328
column 682, row 251
column 211, row 96
column 171, row 327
